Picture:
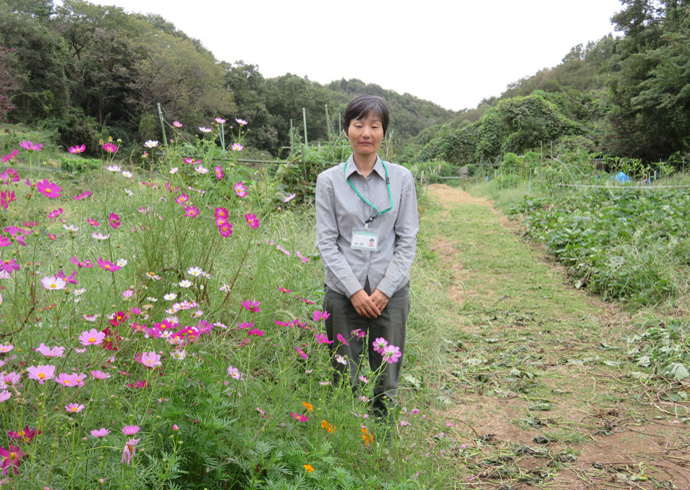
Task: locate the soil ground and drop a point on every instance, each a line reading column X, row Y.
column 540, row 381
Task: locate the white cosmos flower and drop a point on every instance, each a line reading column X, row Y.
column 127, row 174
column 79, row 292
column 170, row 296
column 129, row 193
column 70, row 227
column 178, row 354
column 114, row 168
column 173, row 170
column 100, row 236
column 201, row 169
column 185, row 283
column 152, row 300
column 195, row 271
column 121, row 262
column 151, row 144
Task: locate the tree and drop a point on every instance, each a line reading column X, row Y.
column 8, row 79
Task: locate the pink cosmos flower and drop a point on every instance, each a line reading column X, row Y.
column 237, row 147
column 252, row 306
column 11, row 458
column 221, row 213
column 12, row 378
column 359, row 333
column 151, row 359
column 56, row 351
column 219, row 172
column 28, row 145
column 129, row 450
column 74, row 408
column 68, row 379
column 41, row 373
column 177, row 124
column 4, row 349
column 55, row 213
column 240, row 189
column 102, row 432
column 234, row 373
column 380, row 345
column 298, row 417
column 109, row 266
column 391, row 354
column 77, row 149
column 252, row 220
column 97, row 374
column 5, row 395
column 220, row 120
column 321, row 315
column 91, row 337
column 241, row 122
column 342, row 339
column 109, row 147
column 114, row 220
column 10, row 157
column 81, row 196
column 78, row 263
column 182, row 198
column 290, row 197
column 53, row 283
column 48, row 189
column 130, row 430
column 302, row 354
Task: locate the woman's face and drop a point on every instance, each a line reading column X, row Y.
column 365, row 135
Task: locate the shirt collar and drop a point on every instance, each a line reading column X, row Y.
column 352, row 168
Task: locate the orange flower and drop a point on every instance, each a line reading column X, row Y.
column 327, row 426
column 308, row 406
column 309, row 468
column 368, row 438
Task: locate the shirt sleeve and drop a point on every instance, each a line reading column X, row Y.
column 406, row 228
column 327, row 234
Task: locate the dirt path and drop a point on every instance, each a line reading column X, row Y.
column 539, row 378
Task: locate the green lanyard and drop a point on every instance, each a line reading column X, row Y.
column 390, row 196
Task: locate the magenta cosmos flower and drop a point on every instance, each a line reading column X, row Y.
column 110, row 147
column 322, row 339
column 10, row 458
column 91, row 337
column 321, row 315
column 114, row 220
column 48, row 189
column 77, row 149
column 391, row 354
column 41, row 373
column 252, row 306
column 109, row 266
column 252, row 220
column 219, row 172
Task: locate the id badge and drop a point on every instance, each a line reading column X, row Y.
column 365, row 240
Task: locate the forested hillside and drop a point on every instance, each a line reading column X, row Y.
column 627, row 96
column 90, row 72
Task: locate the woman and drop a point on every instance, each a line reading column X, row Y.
column 366, row 233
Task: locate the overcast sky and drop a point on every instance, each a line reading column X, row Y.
column 453, row 53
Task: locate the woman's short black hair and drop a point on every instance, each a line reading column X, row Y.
column 361, row 106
